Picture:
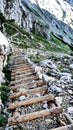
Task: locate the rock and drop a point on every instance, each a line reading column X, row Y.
column 45, row 105
column 49, row 121
column 55, row 89
column 70, row 91
column 21, row 98
column 58, row 100
column 16, row 114
column 48, row 63
column 70, row 109
column 47, row 78
column 71, row 66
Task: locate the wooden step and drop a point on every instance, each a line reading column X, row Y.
column 38, row 83
column 35, row 115
column 67, row 127
column 23, row 75
column 14, row 105
column 35, row 90
column 24, row 80
column 23, row 72
column 20, row 67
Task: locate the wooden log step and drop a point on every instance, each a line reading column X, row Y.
column 21, row 63
column 22, row 69
column 14, row 105
column 67, row 127
column 38, row 83
column 25, row 79
column 23, row 72
column 35, row 115
column 23, row 75
column 35, row 90
column 21, row 66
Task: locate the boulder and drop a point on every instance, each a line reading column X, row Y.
column 48, row 63
column 71, row 66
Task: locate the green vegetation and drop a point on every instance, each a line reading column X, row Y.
column 4, row 89
column 36, row 58
column 64, row 47
column 3, row 120
column 21, row 38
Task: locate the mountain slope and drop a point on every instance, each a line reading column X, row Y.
column 34, row 15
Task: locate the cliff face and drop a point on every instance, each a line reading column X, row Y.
column 42, row 16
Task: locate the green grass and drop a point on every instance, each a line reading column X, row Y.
column 36, row 58
column 64, row 47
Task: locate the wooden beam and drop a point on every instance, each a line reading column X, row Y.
column 24, row 79
column 67, row 127
column 22, row 69
column 23, row 72
column 35, row 115
column 23, row 75
column 25, row 85
column 14, row 105
column 35, row 90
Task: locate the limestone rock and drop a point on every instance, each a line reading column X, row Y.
column 55, row 89
column 48, row 63
column 71, row 66
column 21, row 98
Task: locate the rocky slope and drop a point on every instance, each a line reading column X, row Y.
column 42, row 17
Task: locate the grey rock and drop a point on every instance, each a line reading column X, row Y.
column 49, row 121
column 21, row 98
column 71, row 66
column 55, row 89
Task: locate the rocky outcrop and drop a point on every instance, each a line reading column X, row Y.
column 42, row 17
column 4, row 48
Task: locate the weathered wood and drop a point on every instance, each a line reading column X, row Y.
column 60, row 122
column 23, row 80
column 68, row 118
column 20, row 66
column 35, row 115
column 23, row 75
column 14, row 105
column 25, row 85
column 35, row 90
column 23, row 72
column 68, row 127
column 23, row 69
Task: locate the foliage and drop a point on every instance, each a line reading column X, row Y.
column 3, row 120
column 36, row 58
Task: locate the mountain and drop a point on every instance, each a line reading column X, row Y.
column 42, row 16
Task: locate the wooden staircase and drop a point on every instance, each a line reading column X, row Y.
column 24, row 77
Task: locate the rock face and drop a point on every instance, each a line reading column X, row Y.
column 42, row 16
column 4, row 47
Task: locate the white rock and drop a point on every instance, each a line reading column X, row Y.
column 45, row 105
column 47, row 78
column 70, row 109
column 21, row 98
column 48, row 63
column 71, row 66
column 70, row 91
column 49, row 121
column 59, row 100
column 55, row 89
